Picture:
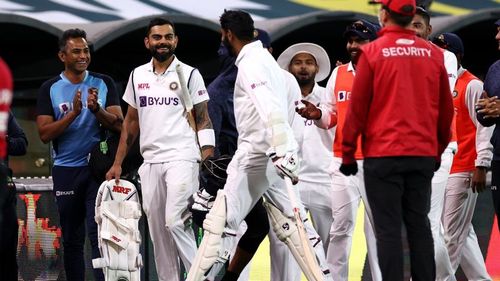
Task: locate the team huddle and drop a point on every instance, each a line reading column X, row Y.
column 395, row 127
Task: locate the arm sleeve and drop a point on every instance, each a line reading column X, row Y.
column 484, row 148
column 357, row 112
column 446, row 112
column 328, row 104
column 129, row 95
column 112, row 94
column 197, row 88
column 17, row 141
column 43, row 101
column 451, row 65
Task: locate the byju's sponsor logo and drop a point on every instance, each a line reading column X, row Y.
column 150, row 101
column 64, row 193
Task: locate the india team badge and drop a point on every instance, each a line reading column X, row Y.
column 173, row 86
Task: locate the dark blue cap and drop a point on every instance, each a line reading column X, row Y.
column 363, row 29
column 263, row 36
column 450, row 42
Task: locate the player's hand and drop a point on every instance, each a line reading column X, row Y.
column 308, row 111
column 488, row 106
column 478, row 183
column 77, row 102
column 287, row 166
column 207, row 151
column 92, row 101
column 349, row 169
column 114, row 173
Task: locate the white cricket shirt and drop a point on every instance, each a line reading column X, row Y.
column 259, row 90
column 165, row 134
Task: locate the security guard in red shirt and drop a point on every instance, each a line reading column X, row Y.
column 402, row 108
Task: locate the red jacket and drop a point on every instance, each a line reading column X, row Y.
column 400, row 101
column 6, row 85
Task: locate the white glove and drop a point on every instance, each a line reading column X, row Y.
column 203, row 201
column 287, row 166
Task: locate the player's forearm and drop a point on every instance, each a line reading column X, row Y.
column 52, row 130
column 128, row 136
column 110, row 120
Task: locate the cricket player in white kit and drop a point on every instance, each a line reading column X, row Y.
column 169, row 175
column 346, row 191
column 468, row 172
column 308, row 63
column 267, row 148
column 444, row 271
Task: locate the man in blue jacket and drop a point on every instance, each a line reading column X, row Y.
column 488, row 110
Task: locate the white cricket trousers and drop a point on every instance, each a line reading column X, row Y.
column 247, row 181
column 166, row 188
column 444, row 270
column 345, row 196
column 460, row 238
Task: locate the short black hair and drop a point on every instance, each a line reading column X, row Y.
column 421, row 11
column 159, row 21
column 399, row 19
column 69, row 34
column 239, row 22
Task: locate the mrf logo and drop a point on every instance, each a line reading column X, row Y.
column 121, row 189
column 143, row 86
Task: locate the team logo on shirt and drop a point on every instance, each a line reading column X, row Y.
column 173, row 86
column 343, row 96
column 64, row 107
column 150, row 101
column 201, row 92
column 455, row 94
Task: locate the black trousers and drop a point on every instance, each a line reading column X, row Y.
column 8, row 229
column 75, row 191
column 495, row 187
column 399, row 190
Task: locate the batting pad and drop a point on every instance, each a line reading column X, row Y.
column 117, row 213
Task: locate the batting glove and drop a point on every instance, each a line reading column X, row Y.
column 287, row 166
column 203, row 201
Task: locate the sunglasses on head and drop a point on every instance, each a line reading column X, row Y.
column 358, row 27
column 440, row 41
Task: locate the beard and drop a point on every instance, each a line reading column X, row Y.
column 354, row 57
column 229, row 48
column 161, row 57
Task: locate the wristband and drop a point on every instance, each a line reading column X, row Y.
column 206, row 137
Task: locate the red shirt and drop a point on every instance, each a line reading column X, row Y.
column 400, row 101
column 5, row 99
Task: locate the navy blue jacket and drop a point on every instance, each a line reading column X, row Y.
column 16, row 139
column 492, row 88
column 220, row 106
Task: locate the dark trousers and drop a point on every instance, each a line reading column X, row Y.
column 8, row 229
column 75, row 192
column 495, row 188
column 399, row 190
